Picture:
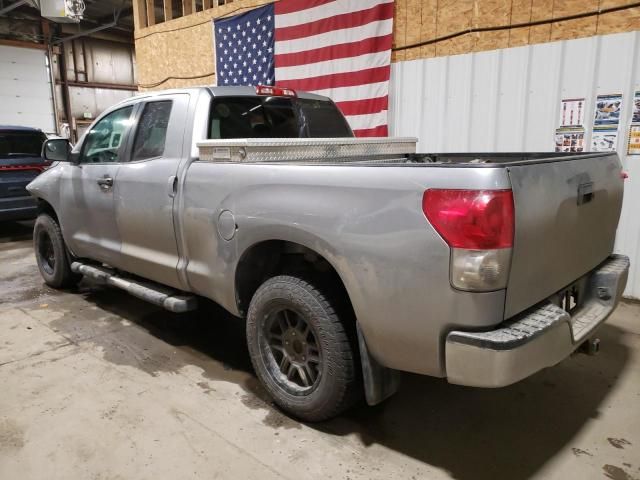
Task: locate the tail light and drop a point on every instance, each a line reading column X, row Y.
column 38, row 168
column 478, row 225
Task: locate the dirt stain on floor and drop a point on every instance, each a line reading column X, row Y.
column 616, row 473
column 11, row 435
column 618, row 442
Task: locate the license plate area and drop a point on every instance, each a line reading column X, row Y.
column 571, row 298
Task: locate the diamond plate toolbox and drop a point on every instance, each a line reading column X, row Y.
column 306, row 150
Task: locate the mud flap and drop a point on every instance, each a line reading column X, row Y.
column 379, row 382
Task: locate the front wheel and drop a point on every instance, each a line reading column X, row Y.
column 300, row 349
column 51, row 253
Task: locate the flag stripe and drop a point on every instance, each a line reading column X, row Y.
column 361, row 122
column 347, row 79
column 314, row 10
column 357, row 92
column 282, row 8
column 343, row 50
column 330, row 67
column 346, row 20
column 349, row 35
column 379, row 131
column 361, row 107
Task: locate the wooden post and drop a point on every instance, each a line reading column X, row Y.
column 151, row 13
column 194, row 6
column 168, row 10
column 206, row 4
column 139, row 14
column 186, row 7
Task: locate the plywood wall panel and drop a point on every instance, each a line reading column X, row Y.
column 454, row 16
column 541, row 10
column 413, row 27
column 491, row 13
column 570, row 29
column 428, row 27
column 520, row 13
column 400, row 29
column 621, row 21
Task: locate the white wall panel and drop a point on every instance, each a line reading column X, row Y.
column 509, row 100
column 25, row 89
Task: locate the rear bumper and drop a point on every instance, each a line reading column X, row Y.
column 537, row 338
column 18, row 208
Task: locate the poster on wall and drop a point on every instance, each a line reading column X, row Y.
column 572, row 112
column 604, row 139
column 607, row 112
column 636, row 107
column 570, row 140
column 634, row 140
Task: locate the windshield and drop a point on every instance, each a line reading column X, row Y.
column 21, row 144
column 275, row 117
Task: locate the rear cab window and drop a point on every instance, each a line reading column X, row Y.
column 275, row 117
column 151, row 134
column 18, row 143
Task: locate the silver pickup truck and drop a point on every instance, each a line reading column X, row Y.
column 350, row 259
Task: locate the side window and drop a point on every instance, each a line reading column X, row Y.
column 102, row 143
column 152, row 131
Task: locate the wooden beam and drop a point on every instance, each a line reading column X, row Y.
column 206, row 4
column 139, row 14
column 106, row 86
column 194, row 6
column 187, row 7
column 168, row 10
column 22, row 44
column 151, row 13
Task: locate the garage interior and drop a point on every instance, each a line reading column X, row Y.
column 96, row 383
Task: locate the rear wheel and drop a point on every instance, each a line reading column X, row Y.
column 300, row 349
column 51, row 253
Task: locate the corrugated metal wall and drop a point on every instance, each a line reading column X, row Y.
column 509, row 100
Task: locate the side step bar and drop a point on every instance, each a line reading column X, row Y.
column 164, row 297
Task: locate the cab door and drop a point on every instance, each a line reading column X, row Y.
column 147, row 187
column 87, row 190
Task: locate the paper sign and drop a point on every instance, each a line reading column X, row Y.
column 636, row 108
column 634, row 140
column 570, row 140
column 604, row 139
column 572, row 112
column 608, row 110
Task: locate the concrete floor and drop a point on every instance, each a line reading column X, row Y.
column 95, row 384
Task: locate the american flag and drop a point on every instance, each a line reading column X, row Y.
column 337, row 48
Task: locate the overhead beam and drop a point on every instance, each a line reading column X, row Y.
column 22, row 44
column 106, row 86
column 12, row 6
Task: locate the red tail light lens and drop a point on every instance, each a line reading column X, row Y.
column 471, row 219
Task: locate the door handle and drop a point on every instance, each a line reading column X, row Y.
column 172, row 186
column 106, row 182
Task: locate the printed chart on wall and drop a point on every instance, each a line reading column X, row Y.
column 604, row 139
column 570, row 140
column 634, row 140
column 570, row 135
column 636, row 107
column 572, row 112
column 608, row 110
column 605, row 123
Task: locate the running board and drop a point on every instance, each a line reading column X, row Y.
column 164, row 297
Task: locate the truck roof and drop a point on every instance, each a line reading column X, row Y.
column 19, row 128
column 243, row 91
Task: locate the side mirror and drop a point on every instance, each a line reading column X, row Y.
column 58, row 150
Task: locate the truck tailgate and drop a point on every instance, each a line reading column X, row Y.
column 566, row 215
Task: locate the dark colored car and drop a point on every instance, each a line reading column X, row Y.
column 20, row 162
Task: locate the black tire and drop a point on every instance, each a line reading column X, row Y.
column 51, row 253
column 322, row 376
